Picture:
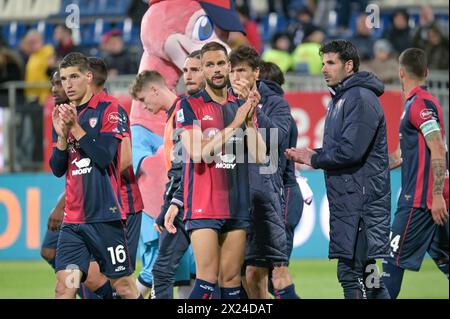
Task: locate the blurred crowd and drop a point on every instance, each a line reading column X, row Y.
column 308, row 26
column 294, row 48
column 288, row 33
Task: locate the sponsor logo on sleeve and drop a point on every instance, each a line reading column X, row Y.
column 113, row 117
column 426, row 114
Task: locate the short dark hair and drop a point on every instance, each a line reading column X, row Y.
column 271, row 71
column 213, row 46
column 414, row 61
column 345, row 49
column 195, row 54
column 99, row 70
column 75, row 59
column 247, row 54
column 142, row 79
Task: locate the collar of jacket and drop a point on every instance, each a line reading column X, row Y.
column 335, row 90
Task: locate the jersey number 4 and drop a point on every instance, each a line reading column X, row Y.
column 394, row 242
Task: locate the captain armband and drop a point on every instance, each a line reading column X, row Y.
column 429, row 126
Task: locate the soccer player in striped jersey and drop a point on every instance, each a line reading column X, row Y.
column 172, row 247
column 421, row 222
column 88, row 153
column 216, row 193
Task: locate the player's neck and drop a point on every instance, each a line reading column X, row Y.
column 169, row 99
column 86, row 97
column 97, row 89
column 409, row 85
column 217, row 95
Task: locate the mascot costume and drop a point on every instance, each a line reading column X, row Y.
column 170, row 30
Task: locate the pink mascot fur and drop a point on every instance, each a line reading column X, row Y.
column 170, row 30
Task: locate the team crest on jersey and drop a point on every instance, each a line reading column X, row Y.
column 180, row 116
column 93, row 121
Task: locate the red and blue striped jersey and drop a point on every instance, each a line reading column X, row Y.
column 92, row 193
column 129, row 189
column 219, row 189
column 417, row 176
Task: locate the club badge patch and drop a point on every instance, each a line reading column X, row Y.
column 93, row 121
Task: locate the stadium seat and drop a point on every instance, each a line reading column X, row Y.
column 87, row 34
column 89, row 8
column 16, row 32
column 271, row 24
column 112, row 7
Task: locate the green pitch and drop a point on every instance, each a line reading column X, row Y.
column 314, row 279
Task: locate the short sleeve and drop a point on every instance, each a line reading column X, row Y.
column 185, row 116
column 111, row 121
column 421, row 112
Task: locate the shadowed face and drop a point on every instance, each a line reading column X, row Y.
column 58, row 93
column 150, row 97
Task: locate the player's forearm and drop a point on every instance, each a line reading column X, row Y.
column 77, row 131
column 395, row 159
column 256, row 145
column 438, row 168
column 61, row 143
column 102, row 150
column 59, row 162
column 438, row 163
column 215, row 145
column 61, row 202
column 125, row 155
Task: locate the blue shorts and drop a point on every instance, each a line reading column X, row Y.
column 105, row 241
column 133, row 231
column 293, row 210
column 220, row 225
column 413, row 233
column 266, row 241
column 50, row 239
